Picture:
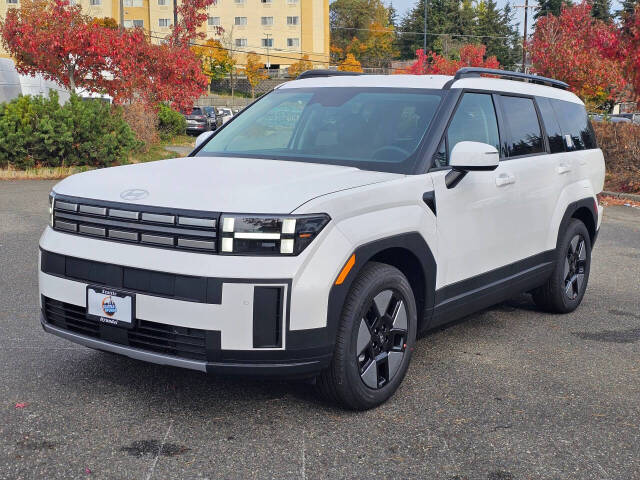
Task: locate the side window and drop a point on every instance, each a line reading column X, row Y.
column 474, row 121
column 575, row 123
column 525, row 136
column 551, row 125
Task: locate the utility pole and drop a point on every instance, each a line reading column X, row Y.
column 121, row 14
column 425, row 28
column 175, row 14
column 526, row 7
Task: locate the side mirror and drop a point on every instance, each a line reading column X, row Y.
column 203, row 137
column 470, row 156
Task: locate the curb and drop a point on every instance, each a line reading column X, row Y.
column 625, row 196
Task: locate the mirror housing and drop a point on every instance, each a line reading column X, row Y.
column 474, row 156
column 203, row 137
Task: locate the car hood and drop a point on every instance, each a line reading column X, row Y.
column 219, row 183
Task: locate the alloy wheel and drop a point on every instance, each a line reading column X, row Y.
column 574, row 267
column 382, row 338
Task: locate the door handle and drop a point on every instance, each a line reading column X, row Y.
column 563, row 168
column 505, row 179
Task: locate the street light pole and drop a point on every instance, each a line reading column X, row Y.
column 175, row 14
column 268, row 59
column 524, row 38
column 121, row 14
column 425, row 28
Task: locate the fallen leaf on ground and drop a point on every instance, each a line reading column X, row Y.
column 21, row 405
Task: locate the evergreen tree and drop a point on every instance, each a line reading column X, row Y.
column 625, row 14
column 601, row 9
column 497, row 32
column 545, row 7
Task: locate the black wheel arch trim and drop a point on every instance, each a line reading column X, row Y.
column 411, row 241
column 590, row 204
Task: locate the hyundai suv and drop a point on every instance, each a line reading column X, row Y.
column 322, row 229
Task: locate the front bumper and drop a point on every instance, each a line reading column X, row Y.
column 289, row 368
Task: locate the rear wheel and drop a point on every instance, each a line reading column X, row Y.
column 564, row 291
column 375, row 339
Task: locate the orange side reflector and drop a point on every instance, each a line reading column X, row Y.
column 346, row 269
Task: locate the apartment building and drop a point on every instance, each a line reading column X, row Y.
column 280, row 31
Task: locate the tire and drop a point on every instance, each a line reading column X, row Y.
column 565, row 289
column 373, row 350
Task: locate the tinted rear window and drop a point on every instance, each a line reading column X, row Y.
column 551, row 125
column 574, row 122
column 524, row 134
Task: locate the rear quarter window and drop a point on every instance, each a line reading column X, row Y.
column 575, row 123
column 551, row 125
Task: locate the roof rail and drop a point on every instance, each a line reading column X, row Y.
column 325, row 73
column 523, row 77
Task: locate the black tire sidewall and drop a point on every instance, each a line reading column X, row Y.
column 391, row 279
column 576, row 227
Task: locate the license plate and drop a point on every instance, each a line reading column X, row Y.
column 191, row 122
column 111, row 307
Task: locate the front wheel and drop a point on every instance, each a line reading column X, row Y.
column 565, row 288
column 375, row 339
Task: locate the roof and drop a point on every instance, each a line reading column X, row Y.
column 435, row 82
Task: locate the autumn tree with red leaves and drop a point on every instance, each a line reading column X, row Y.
column 435, row 64
column 630, row 38
column 83, row 53
column 583, row 51
column 191, row 15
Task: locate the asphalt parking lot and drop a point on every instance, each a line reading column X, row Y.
column 510, row 393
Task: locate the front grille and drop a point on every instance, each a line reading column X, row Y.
column 194, row 231
column 190, row 343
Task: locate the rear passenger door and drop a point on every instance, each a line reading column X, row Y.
column 534, row 171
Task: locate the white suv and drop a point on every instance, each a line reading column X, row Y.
column 325, row 226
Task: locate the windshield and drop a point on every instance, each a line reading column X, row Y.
column 368, row 128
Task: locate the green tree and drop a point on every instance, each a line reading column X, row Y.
column 601, row 9
column 498, row 32
column 545, row 7
column 441, row 19
column 353, row 18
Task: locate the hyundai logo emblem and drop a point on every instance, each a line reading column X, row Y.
column 134, row 194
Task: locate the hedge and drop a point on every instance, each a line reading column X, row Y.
column 39, row 132
column 620, row 144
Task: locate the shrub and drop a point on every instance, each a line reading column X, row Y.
column 620, row 144
column 143, row 120
column 170, row 122
column 37, row 131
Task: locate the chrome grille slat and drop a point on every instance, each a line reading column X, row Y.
column 156, row 227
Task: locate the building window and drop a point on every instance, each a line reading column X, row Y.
column 293, row 42
column 292, row 2
column 265, row 1
column 164, row 22
column 95, row 3
column 241, row 20
column 241, row 42
column 133, row 3
column 14, row 2
column 162, row 3
column 292, row 20
column 239, row 1
column 213, row 21
column 267, row 20
column 267, row 42
column 133, row 23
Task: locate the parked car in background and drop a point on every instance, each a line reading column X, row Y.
column 214, row 118
column 198, row 120
column 632, row 117
column 598, row 117
column 226, row 114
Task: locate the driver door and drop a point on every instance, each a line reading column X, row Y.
column 475, row 222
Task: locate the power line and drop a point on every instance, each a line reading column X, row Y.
column 423, row 33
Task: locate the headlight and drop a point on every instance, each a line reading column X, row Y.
column 269, row 234
column 51, row 202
